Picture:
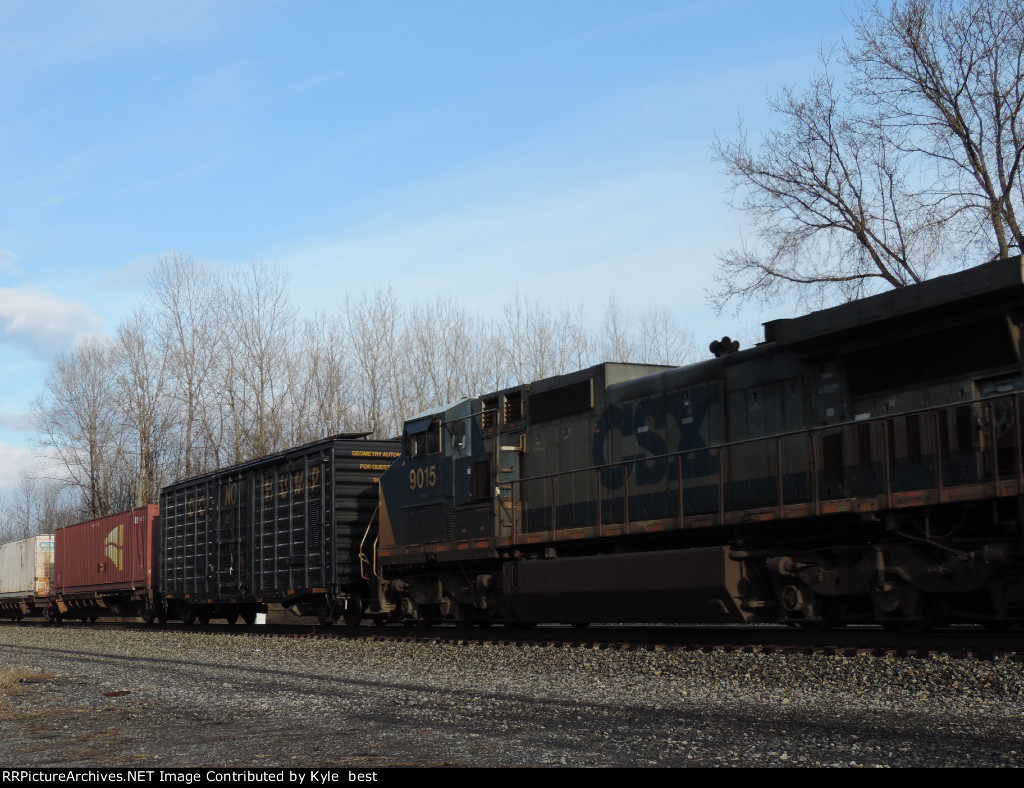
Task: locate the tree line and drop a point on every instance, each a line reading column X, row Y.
column 217, row 369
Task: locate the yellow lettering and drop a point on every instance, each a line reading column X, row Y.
column 423, row 477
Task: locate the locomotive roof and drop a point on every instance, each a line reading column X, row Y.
column 986, row 287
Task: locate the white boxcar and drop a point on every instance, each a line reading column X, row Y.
column 26, row 575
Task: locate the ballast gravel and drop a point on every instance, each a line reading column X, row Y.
column 161, row 699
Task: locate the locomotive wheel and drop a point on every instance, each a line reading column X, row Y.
column 249, row 618
column 429, row 616
column 189, row 618
column 232, row 619
column 915, row 626
column 204, row 618
column 829, row 618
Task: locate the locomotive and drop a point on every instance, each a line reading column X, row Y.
column 862, row 464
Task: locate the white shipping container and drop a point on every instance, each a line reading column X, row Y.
column 26, row 567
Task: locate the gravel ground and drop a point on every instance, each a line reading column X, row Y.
column 158, row 699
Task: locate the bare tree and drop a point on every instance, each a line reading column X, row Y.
column 952, row 72
column 187, row 300
column 535, row 343
column 831, row 200
column 36, row 506
column 78, row 418
column 446, row 353
column 617, row 342
column 141, row 370
column 662, row 341
column 371, row 325
column 323, row 404
column 259, row 333
column 880, row 178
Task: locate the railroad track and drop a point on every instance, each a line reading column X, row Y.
column 961, row 641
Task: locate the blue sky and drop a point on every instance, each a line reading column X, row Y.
column 457, row 148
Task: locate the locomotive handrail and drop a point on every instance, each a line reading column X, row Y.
column 936, row 480
column 363, row 561
column 774, row 436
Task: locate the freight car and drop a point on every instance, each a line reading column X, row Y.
column 862, row 464
column 26, row 576
column 104, row 567
column 282, row 529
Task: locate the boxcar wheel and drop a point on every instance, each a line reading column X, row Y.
column 353, row 615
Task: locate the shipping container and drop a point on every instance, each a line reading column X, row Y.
column 282, row 529
column 105, row 566
column 26, row 576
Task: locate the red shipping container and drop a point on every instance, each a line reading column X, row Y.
column 112, row 553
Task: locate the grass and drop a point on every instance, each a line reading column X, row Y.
column 13, row 679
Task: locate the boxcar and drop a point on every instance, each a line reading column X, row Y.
column 282, row 529
column 26, row 576
column 105, row 566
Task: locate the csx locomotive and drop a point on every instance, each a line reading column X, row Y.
column 862, row 464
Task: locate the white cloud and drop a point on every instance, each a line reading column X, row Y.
column 42, row 322
column 33, row 36
column 15, row 422
column 14, row 459
column 132, row 276
column 7, row 258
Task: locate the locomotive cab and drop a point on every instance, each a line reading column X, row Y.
column 443, row 479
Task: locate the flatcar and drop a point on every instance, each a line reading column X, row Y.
column 104, row 567
column 862, row 464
